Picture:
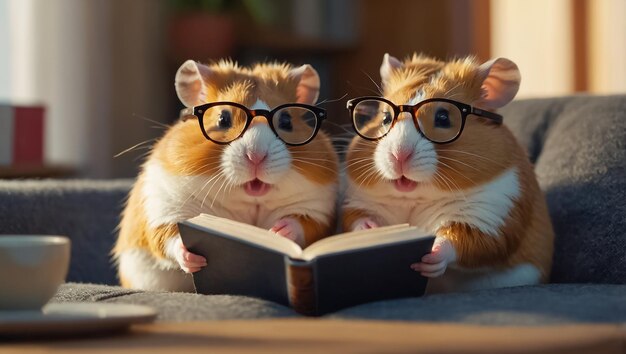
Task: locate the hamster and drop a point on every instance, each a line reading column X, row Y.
column 478, row 194
column 256, row 179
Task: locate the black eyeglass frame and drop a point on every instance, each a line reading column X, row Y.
column 464, row 108
column 198, row 111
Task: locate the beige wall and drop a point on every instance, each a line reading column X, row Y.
column 97, row 65
column 607, row 46
column 536, row 34
column 540, row 36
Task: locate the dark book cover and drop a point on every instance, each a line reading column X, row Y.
column 325, row 284
column 236, row 267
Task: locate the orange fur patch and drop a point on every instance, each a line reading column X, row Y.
column 313, row 230
column 350, row 216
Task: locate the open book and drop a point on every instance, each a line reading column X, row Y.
column 333, row 273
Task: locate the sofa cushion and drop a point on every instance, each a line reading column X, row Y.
column 176, row 306
column 528, row 305
column 578, row 145
column 86, row 211
column 524, row 305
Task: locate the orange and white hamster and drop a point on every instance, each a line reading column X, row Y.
column 478, row 194
column 256, row 179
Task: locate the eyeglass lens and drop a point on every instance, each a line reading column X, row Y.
column 224, row 123
column 294, row 125
column 373, row 118
column 439, row 121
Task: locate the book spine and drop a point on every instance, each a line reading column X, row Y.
column 301, row 287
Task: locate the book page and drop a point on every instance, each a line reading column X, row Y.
column 249, row 233
column 362, row 239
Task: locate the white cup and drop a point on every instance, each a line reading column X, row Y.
column 31, row 269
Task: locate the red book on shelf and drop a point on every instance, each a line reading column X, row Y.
column 28, row 138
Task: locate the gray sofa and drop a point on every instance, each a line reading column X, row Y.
column 578, row 145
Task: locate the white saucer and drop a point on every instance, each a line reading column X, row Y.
column 73, row 318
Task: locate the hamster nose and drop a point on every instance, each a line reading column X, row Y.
column 401, row 158
column 402, row 155
column 256, row 157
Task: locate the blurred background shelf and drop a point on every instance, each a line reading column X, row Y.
column 104, row 70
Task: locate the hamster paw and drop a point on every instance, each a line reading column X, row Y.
column 189, row 262
column 436, row 262
column 289, row 228
column 364, row 224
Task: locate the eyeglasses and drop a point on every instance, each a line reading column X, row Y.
column 439, row 120
column 222, row 122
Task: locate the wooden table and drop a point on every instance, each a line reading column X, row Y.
column 316, row 335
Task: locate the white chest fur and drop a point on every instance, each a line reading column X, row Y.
column 170, row 199
column 485, row 207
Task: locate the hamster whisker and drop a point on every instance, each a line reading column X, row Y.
column 475, row 155
column 360, row 149
column 218, row 176
column 460, row 162
column 363, row 88
column 143, row 156
column 314, row 164
column 303, row 154
column 159, row 124
column 313, row 159
column 226, row 182
column 359, row 161
column 373, row 177
column 136, row 146
column 361, row 169
column 194, row 170
column 332, row 100
column 344, row 127
column 365, row 175
column 457, row 172
column 453, row 88
column 370, row 151
column 445, row 179
column 191, row 179
column 380, row 90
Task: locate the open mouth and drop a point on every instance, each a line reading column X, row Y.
column 404, row 184
column 256, row 188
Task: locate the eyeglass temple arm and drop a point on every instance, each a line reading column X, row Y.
column 490, row 115
column 187, row 113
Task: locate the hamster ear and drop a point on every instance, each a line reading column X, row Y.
column 308, row 88
column 389, row 65
column 192, row 83
column 501, row 80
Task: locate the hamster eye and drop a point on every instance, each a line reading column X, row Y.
column 224, row 121
column 284, row 122
column 387, row 118
column 442, row 120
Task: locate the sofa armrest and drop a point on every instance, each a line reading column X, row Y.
column 578, row 145
column 86, row 211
